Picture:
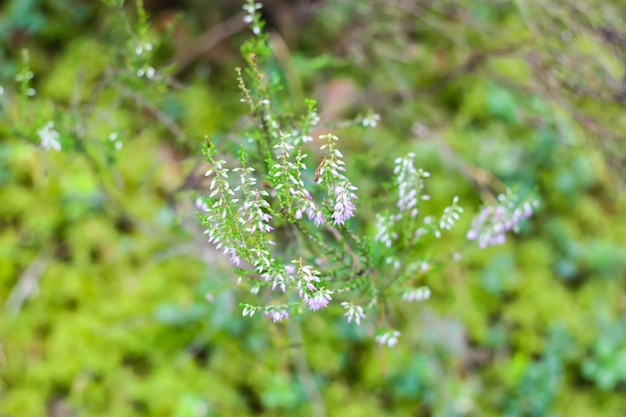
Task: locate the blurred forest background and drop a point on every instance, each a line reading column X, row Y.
column 113, row 304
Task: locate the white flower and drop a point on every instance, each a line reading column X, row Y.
column 389, row 338
column 251, row 7
column 49, row 137
column 371, row 120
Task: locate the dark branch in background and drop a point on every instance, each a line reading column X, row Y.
column 562, row 74
column 473, row 63
column 207, row 41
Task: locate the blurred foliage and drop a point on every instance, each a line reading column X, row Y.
column 113, row 304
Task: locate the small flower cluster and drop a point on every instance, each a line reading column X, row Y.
column 143, row 51
column 410, row 184
column 115, row 141
column 276, row 313
column 493, row 221
column 416, row 294
column 388, row 338
column 353, row 312
column 371, row 120
column 307, row 281
column 49, row 137
column 384, row 230
column 450, row 215
column 239, row 220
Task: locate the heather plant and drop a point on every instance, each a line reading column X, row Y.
column 105, row 286
column 286, row 216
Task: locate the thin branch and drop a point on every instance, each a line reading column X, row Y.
column 207, row 41
column 167, row 121
column 299, row 358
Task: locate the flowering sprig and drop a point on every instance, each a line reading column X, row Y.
column 402, row 230
column 224, row 230
column 140, row 51
column 309, row 121
column 385, row 232
column 63, row 121
column 410, row 184
column 493, row 221
column 340, row 189
column 286, row 177
column 253, row 17
column 403, row 227
column 25, row 76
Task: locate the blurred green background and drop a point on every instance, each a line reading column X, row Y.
column 113, row 304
